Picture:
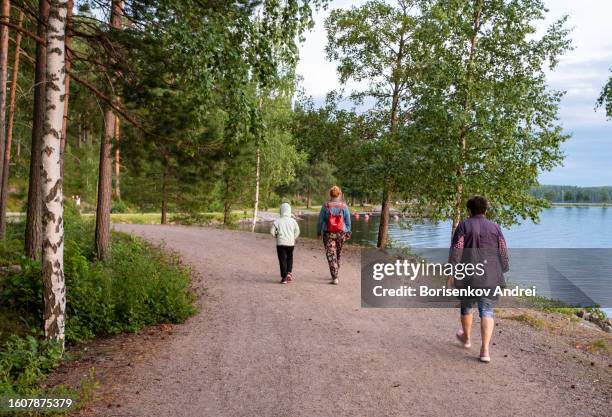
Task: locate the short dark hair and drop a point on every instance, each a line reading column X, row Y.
column 477, row 205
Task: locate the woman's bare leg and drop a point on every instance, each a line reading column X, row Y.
column 487, row 324
column 466, row 324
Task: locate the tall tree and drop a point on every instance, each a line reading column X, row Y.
column 485, row 116
column 54, row 290
column 5, row 10
column 105, row 177
column 373, row 44
column 33, row 237
column 9, row 128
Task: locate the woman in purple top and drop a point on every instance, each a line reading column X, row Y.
column 479, row 241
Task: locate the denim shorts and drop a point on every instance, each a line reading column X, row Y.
column 485, row 306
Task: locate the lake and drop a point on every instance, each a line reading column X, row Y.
column 559, row 227
column 559, row 241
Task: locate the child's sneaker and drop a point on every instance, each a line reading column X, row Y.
column 284, row 280
column 334, row 281
column 289, row 277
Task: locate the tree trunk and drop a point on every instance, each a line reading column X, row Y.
column 164, row 205
column 383, row 227
column 385, row 206
column 117, row 161
column 308, row 198
column 33, row 237
column 257, row 171
column 105, row 178
column 227, row 210
column 54, row 291
column 9, row 131
column 5, row 11
column 105, row 174
column 464, row 130
column 68, row 43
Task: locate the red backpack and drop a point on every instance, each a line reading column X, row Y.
column 335, row 222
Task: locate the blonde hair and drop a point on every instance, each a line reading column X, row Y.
column 335, row 192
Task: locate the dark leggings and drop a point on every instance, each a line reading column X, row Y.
column 285, row 259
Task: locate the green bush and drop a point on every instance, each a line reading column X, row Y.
column 137, row 285
column 23, row 361
column 119, row 206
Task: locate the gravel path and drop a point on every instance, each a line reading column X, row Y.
column 258, row 348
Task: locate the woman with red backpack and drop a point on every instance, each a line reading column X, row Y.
column 335, row 226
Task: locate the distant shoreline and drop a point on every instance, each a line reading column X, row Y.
column 581, row 205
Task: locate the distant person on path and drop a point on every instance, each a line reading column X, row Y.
column 286, row 230
column 478, row 240
column 335, row 226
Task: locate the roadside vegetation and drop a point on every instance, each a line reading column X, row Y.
column 137, row 285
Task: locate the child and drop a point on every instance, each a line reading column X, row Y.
column 286, row 230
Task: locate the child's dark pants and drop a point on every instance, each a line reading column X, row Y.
column 285, row 259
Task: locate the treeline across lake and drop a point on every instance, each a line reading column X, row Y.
column 574, row 194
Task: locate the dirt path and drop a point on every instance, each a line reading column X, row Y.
column 258, row 348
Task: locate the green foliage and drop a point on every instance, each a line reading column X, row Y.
column 23, row 361
column 119, row 206
column 137, row 285
column 572, row 194
column 485, row 118
column 605, row 99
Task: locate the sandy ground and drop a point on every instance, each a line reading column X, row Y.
column 257, row 348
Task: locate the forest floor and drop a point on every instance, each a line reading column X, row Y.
column 257, row 348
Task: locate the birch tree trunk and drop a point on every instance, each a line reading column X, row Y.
column 105, row 175
column 9, row 130
column 5, row 11
column 466, row 109
column 33, row 238
column 54, row 290
column 385, row 206
column 257, row 174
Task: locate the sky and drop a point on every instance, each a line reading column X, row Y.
column 581, row 72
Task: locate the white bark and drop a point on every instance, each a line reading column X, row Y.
column 54, row 290
column 255, row 209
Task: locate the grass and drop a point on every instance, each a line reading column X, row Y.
column 599, row 346
column 535, row 322
column 174, row 218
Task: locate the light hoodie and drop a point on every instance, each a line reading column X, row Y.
column 285, row 229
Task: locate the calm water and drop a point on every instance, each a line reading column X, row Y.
column 559, row 227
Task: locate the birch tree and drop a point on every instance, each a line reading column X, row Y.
column 54, row 290
column 485, row 112
column 373, row 44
